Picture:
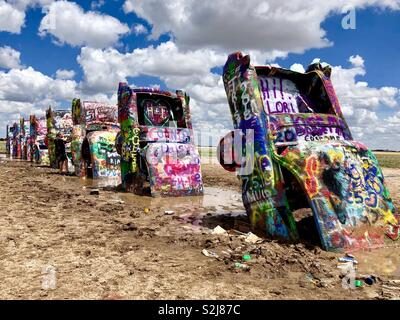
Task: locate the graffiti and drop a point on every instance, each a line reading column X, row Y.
column 151, row 150
column 93, row 142
column 279, row 95
column 105, row 159
column 174, row 169
column 299, row 130
column 58, row 121
column 166, row 134
column 156, row 112
column 96, row 112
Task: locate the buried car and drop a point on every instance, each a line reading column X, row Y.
column 38, row 136
column 158, row 154
column 292, row 148
column 59, row 121
column 93, row 142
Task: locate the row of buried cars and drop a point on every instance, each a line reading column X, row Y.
column 291, row 148
column 144, row 145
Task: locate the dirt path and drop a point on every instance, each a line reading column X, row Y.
column 107, row 247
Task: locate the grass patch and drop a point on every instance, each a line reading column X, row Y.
column 3, row 148
column 388, row 159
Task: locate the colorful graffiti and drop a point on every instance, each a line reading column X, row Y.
column 300, row 138
column 156, row 143
column 38, row 140
column 58, row 121
column 93, row 147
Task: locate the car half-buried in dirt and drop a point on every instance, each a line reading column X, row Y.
column 59, row 121
column 292, row 148
column 93, row 142
column 158, row 154
column 38, row 140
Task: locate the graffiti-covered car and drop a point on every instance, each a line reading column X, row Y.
column 93, row 142
column 9, row 134
column 38, row 140
column 59, row 121
column 25, row 139
column 158, row 154
column 15, row 147
column 292, row 148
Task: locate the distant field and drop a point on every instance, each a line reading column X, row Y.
column 386, row 159
column 3, row 148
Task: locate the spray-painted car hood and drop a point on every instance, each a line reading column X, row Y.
column 346, row 189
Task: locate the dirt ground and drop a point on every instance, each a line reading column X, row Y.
column 58, row 241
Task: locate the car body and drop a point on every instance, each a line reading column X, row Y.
column 59, row 121
column 292, row 148
column 93, row 142
column 15, row 146
column 25, row 139
column 158, row 154
column 38, row 141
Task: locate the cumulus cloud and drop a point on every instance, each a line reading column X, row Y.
column 298, row 67
column 139, row 29
column 11, row 19
column 228, row 25
column 103, row 69
column 360, row 104
column 68, row 23
column 9, row 58
column 65, row 74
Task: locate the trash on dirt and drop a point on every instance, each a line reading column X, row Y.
column 219, row 230
column 169, row 212
column 368, row 279
column 246, row 257
column 252, row 238
column 358, row 283
column 348, row 259
column 242, row 266
column 146, row 210
column 94, row 192
column 345, row 267
column 209, row 253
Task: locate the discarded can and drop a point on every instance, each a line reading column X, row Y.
column 358, row 283
column 348, row 259
column 239, row 265
column 370, row 280
column 169, row 212
column 246, row 257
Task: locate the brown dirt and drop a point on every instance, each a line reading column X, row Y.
column 108, row 247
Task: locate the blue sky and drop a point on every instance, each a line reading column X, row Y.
column 185, row 43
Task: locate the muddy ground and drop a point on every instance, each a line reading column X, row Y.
column 59, row 242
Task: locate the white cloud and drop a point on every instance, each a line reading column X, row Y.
column 298, row 67
column 9, row 58
column 65, row 74
column 68, row 23
column 11, row 19
column 103, row 69
column 12, row 13
column 229, row 25
column 29, row 85
column 357, row 61
column 139, row 29
column 361, row 103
